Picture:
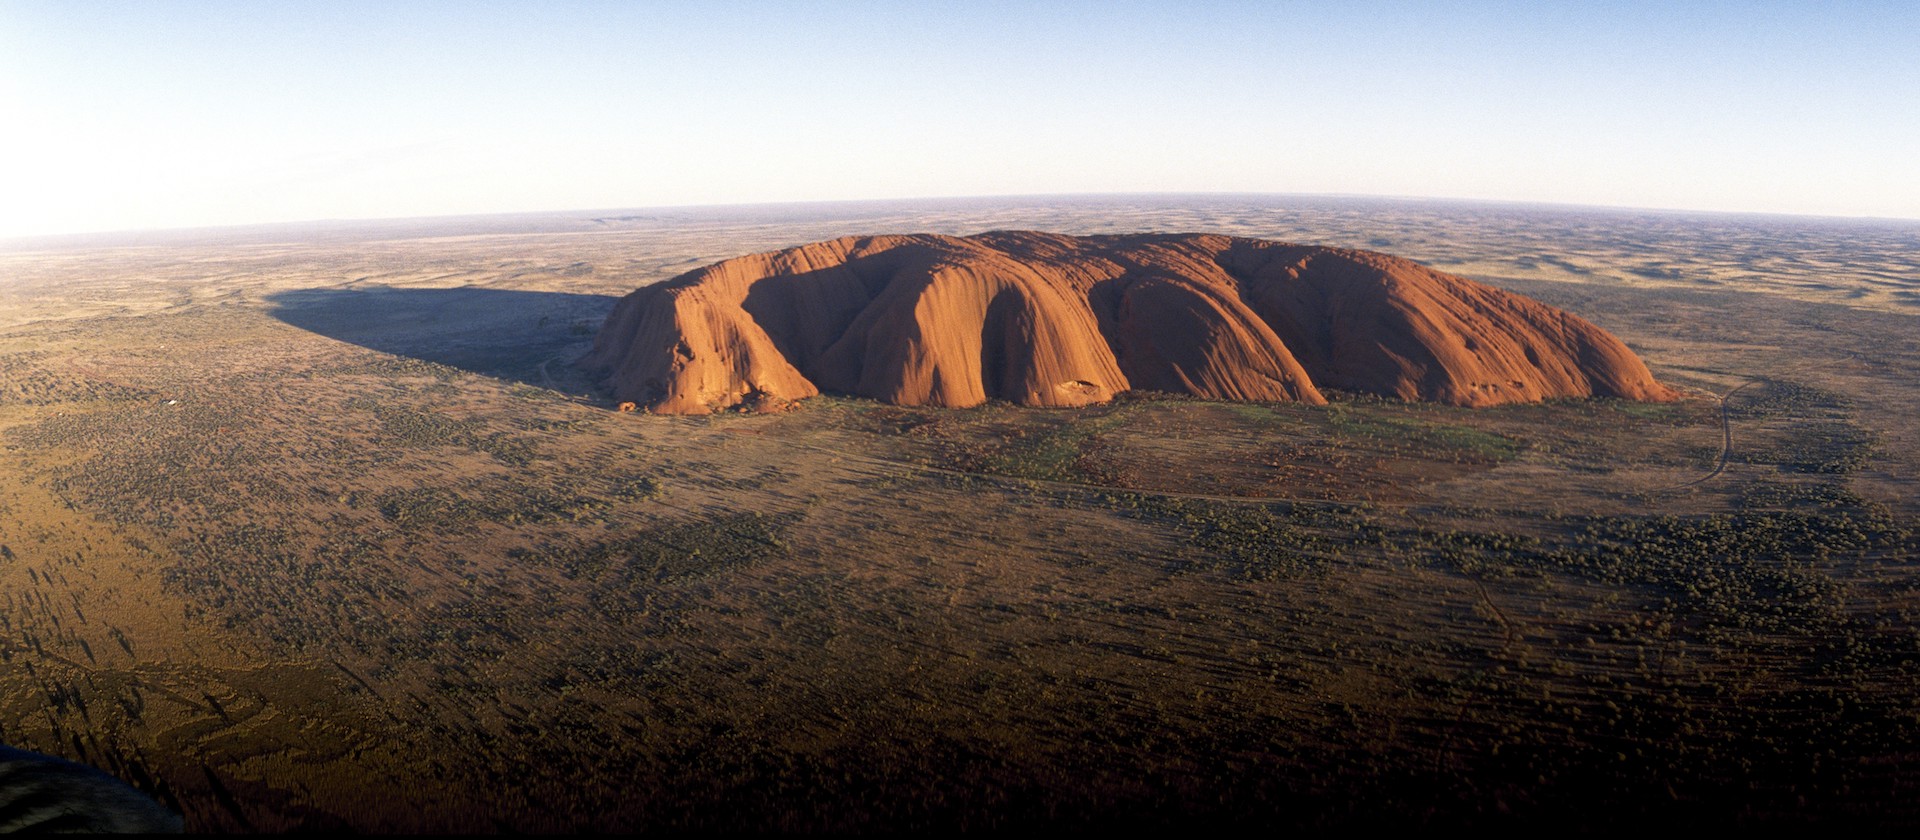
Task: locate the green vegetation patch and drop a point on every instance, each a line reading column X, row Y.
column 1291, row 416
column 630, row 488
column 255, row 577
column 1753, row 572
column 1825, row 497
column 1250, row 541
column 1050, row 454
column 1760, row 572
column 427, row 507
column 1774, row 397
column 1748, row 662
column 628, row 571
column 1359, row 421
column 1819, row 438
column 386, row 366
column 425, row 429
column 1656, row 411
column 157, row 463
column 512, row 502
column 40, row 379
column 1818, row 448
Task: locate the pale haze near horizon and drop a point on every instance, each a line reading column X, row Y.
column 126, row 116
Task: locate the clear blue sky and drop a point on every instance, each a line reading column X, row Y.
column 180, row 114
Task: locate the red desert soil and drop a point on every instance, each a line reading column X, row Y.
column 1043, row 319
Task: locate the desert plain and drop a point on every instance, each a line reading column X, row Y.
column 319, row 526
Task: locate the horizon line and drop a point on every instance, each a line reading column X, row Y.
column 13, row 242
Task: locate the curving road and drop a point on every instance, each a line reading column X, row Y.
column 1726, row 439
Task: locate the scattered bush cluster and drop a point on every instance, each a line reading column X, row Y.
column 1251, row 541
column 35, row 379
column 1774, row 397
column 422, row 428
column 259, row 577
column 1459, row 443
column 153, row 459
column 1820, row 438
column 627, row 572
column 1755, row 571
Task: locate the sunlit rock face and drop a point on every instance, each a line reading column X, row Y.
column 1043, row 319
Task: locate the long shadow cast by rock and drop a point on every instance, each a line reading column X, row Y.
column 519, row 336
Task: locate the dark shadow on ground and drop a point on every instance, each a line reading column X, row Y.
column 527, row 337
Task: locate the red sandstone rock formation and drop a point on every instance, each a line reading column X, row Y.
column 1049, row 320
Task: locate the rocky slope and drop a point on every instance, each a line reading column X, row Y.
column 1050, row 320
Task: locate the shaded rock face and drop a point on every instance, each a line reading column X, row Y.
column 1048, row 320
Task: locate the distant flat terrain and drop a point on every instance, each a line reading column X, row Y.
column 316, row 526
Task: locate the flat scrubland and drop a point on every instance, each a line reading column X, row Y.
column 308, row 528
